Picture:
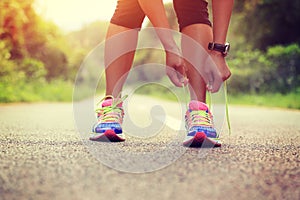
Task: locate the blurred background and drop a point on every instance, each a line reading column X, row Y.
column 43, row 42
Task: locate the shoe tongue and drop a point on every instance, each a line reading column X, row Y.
column 197, row 105
column 109, row 102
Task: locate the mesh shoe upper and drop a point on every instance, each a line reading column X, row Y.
column 199, row 119
column 110, row 116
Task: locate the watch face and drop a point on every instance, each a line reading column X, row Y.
column 223, row 48
column 227, row 48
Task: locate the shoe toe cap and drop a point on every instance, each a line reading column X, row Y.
column 102, row 127
column 209, row 131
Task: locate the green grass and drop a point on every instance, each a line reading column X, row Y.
column 62, row 91
column 37, row 91
column 56, row 91
column 291, row 100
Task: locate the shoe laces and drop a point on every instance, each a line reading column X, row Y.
column 185, row 89
column 227, row 109
column 199, row 118
column 111, row 113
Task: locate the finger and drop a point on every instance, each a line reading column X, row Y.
column 213, row 80
column 173, row 76
column 209, row 80
column 214, row 77
column 182, row 78
column 181, row 73
column 185, row 81
column 216, row 84
column 226, row 76
column 180, row 68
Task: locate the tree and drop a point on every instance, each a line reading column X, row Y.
column 27, row 35
column 267, row 23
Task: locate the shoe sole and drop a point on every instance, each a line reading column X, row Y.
column 108, row 136
column 201, row 140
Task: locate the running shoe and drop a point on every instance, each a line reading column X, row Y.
column 110, row 117
column 199, row 124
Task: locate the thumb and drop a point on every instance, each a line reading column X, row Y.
column 173, row 75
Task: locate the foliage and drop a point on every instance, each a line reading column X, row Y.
column 38, row 61
column 24, row 80
column 56, row 90
column 27, row 35
column 32, row 69
column 266, row 23
column 33, row 52
column 289, row 100
column 89, row 36
column 256, row 72
column 82, row 42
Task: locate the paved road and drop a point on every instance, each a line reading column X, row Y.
column 42, row 156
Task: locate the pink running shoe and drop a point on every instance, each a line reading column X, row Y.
column 199, row 124
column 110, row 117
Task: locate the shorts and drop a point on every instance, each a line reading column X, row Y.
column 129, row 14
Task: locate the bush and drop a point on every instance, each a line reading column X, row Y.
column 23, row 81
column 275, row 71
column 286, row 64
column 34, row 70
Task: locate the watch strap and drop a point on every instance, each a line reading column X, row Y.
column 223, row 48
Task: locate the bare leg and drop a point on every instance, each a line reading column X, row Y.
column 202, row 34
column 117, row 63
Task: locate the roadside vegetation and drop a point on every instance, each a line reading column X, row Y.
column 39, row 62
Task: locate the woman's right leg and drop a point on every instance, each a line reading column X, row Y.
column 119, row 40
column 120, row 45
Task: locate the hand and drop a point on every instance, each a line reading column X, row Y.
column 216, row 71
column 176, row 69
column 220, row 61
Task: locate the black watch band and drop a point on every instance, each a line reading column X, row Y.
column 223, row 48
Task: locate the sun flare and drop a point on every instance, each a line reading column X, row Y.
column 73, row 14
column 70, row 14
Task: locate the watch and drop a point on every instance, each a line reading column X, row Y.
column 223, row 48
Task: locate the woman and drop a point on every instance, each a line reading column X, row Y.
column 194, row 22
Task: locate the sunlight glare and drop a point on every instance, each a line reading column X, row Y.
column 73, row 14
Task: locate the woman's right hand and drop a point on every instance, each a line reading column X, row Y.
column 176, row 69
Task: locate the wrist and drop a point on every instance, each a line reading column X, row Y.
column 219, row 48
column 216, row 53
column 219, row 40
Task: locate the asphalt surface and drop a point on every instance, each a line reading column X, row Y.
column 42, row 156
